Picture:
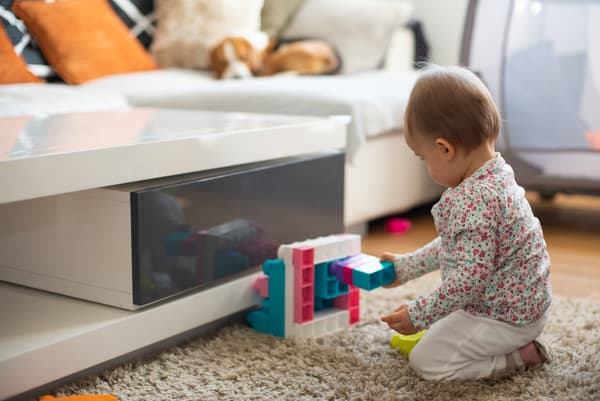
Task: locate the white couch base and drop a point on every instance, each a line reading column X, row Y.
column 385, row 177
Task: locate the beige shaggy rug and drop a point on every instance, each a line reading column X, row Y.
column 237, row 363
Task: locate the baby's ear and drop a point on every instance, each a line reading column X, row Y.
column 446, row 148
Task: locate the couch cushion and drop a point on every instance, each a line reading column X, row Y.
column 361, row 30
column 375, row 100
column 188, row 29
column 14, row 70
column 139, row 16
column 276, row 14
column 82, row 39
column 22, row 41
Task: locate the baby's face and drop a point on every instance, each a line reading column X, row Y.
column 442, row 169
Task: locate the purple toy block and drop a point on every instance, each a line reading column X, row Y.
column 343, row 268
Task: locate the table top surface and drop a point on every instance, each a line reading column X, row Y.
column 69, row 152
column 26, row 136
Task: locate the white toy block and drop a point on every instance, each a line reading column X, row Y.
column 326, row 248
column 325, row 322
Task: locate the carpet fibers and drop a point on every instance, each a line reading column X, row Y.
column 238, row 364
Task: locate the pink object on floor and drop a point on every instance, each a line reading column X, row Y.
column 304, row 284
column 397, row 225
column 261, row 285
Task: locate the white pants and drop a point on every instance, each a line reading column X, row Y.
column 464, row 346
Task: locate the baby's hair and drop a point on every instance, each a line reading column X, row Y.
column 454, row 104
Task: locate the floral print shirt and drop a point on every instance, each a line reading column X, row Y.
column 490, row 251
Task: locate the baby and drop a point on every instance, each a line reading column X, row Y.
column 484, row 317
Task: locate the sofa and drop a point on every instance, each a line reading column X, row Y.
column 382, row 175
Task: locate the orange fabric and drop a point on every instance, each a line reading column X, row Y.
column 13, row 69
column 91, row 397
column 82, row 39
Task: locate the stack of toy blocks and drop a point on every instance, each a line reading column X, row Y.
column 364, row 271
column 314, row 288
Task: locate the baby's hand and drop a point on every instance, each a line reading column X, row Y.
column 390, row 257
column 399, row 320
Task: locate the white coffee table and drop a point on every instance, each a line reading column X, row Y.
column 46, row 337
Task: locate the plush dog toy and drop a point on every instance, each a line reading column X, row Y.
column 236, row 57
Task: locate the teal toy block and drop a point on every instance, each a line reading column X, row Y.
column 270, row 319
column 373, row 274
column 327, row 285
column 389, row 272
column 322, row 303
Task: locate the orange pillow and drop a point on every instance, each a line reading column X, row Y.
column 13, row 69
column 82, row 39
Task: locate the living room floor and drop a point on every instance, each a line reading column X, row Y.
column 571, row 226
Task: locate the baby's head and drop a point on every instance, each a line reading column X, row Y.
column 452, row 122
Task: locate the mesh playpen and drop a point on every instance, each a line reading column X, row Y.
column 541, row 60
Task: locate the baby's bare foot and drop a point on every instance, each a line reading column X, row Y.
column 530, row 355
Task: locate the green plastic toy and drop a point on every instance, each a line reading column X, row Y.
column 405, row 343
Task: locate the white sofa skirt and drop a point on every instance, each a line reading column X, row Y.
column 385, row 178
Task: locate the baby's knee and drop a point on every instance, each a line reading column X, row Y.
column 422, row 363
column 427, row 365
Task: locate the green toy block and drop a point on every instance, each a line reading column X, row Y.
column 405, row 343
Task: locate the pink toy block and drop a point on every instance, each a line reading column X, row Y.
column 261, row 285
column 347, row 271
column 354, row 314
column 354, row 296
column 354, row 304
column 304, row 284
column 303, row 255
column 349, row 300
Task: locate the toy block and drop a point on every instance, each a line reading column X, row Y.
column 304, row 303
column 261, row 285
column 368, row 276
column 303, row 256
column 304, row 284
column 406, row 343
column 342, row 268
column 389, row 272
column 326, row 284
column 271, row 318
column 354, row 314
column 349, row 300
column 322, row 303
column 325, row 322
column 325, row 248
column 337, row 246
